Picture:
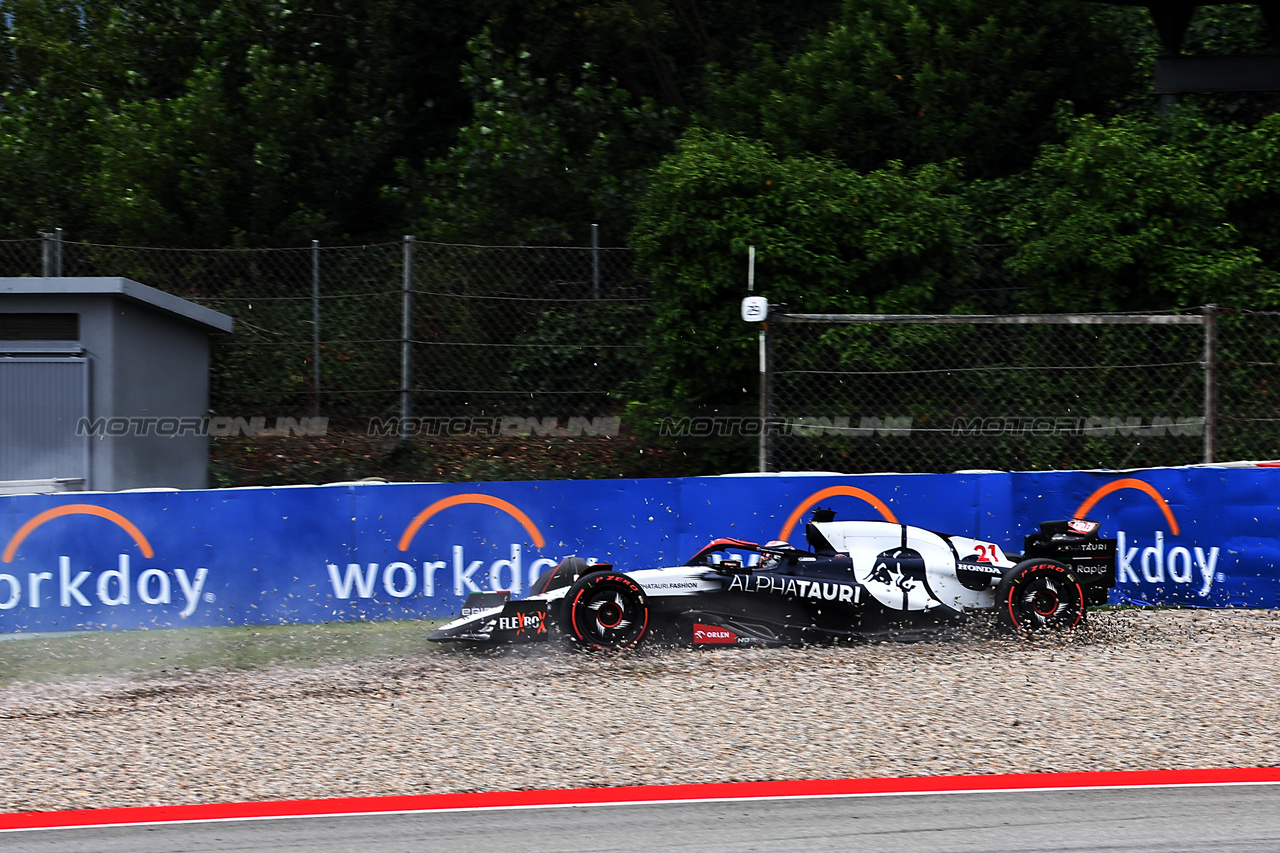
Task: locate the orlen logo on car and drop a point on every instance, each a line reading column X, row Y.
column 1160, row 562
column 402, row 579
column 712, row 634
column 115, row 587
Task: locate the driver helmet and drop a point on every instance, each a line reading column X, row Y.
column 769, row 561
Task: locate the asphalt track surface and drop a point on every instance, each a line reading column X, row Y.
column 1233, row 818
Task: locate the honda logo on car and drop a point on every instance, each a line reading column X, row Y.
column 1157, row 563
column 114, row 587
column 402, row 579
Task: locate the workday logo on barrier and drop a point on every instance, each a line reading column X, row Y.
column 833, row 491
column 1161, row 562
column 117, row 587
column 459, row 575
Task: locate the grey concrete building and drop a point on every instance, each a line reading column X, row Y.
column 104, row 384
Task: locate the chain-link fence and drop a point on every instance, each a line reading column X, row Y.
column 542, row 347
column 469, row 344
column 1246, row 392
column 21, row 257
column 513, row 332
column 916, row 394
column 345, row 331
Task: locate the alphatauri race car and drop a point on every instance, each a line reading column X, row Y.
column 856, row 580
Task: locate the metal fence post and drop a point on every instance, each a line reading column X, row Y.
column 406, row 339
column 1210, row 381
column 765, row 389
column 595, row 261
column 51, row 253
column 315, row 327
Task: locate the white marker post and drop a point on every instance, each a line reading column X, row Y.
column 755, row 309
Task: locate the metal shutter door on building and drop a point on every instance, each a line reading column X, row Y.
column 41, row 402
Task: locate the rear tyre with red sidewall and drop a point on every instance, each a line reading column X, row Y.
column 1040, row 595
column 605, row 611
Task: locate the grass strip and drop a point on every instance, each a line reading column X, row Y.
column 94, row 654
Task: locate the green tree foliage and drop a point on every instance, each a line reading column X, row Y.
column 542, row 158
column 206, row 121
column 932, row 80
column 1134, row 213
column 657, row 49
column 1251, row 180
column 1118, row 208
column 573, row 105
column 44, row 109
column 858, row 144
column 827, row 238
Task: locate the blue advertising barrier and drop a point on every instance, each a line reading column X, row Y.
column 1204, row 537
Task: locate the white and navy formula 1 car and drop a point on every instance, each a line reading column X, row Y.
column 857, row 579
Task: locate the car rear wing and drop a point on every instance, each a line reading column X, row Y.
column 1075, row 542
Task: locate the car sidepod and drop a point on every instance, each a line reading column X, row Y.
column 796, row 598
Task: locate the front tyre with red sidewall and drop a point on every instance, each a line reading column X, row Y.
column 606, row 611
column 1040, row 595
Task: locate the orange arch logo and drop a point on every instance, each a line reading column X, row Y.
column 509, row 508
column 76, row 509
column 831, row 492
column 1129, row 483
